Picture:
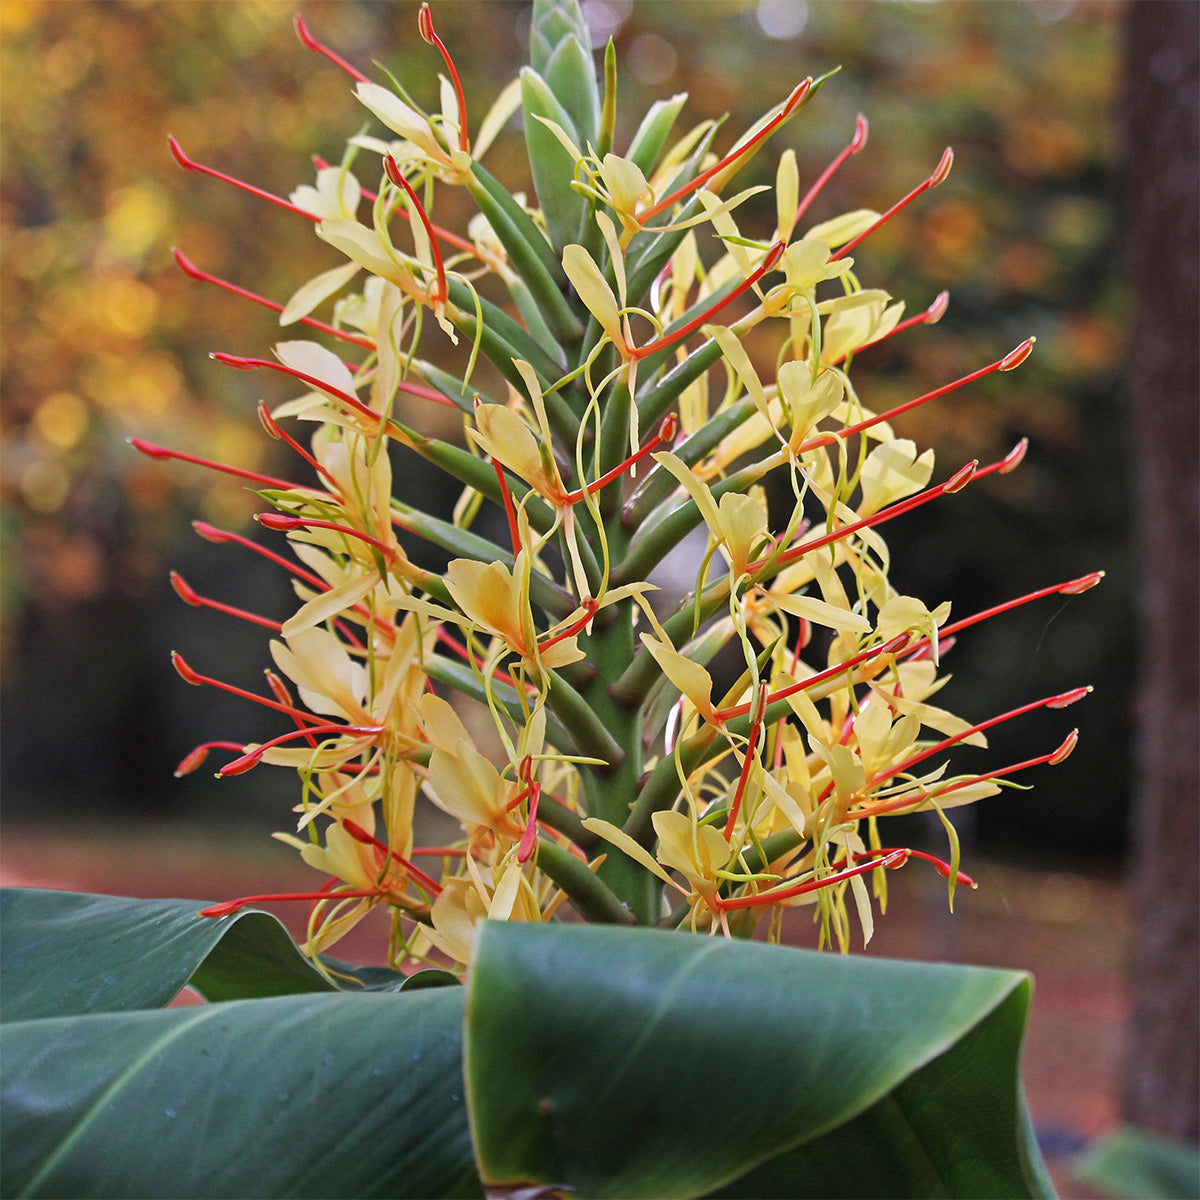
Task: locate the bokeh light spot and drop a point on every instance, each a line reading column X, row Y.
column 782, row 19
column 61, row 420
column 651, row 58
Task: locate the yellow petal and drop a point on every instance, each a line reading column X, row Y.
column 593, row 289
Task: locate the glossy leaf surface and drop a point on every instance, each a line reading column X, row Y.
column 654, row 1064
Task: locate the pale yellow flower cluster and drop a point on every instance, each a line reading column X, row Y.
column 617, row 752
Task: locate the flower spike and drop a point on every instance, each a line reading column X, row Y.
column 599, row 703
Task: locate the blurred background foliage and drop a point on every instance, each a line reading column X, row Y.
column 104, row 338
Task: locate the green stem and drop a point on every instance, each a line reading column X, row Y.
column 588, row 894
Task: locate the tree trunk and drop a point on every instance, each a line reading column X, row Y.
column 1161, row 1084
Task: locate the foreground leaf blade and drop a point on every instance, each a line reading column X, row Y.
column 653, row 1064
column 331, row 1095
column 71, row 953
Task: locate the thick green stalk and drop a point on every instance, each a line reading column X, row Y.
column 588, row 894
column 610, row 793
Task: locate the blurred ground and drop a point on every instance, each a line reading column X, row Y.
column 1069, row 929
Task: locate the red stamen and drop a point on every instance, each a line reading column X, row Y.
column 357, row 832
column 191, row 761
column 285, row 524
column 826, row 439
column 189, row 595
column 700, row 180
column 895, row 859
column 227, row 907
column 1059, row 701
column 955, row 483
column 211, row 533
column 276, row 431
column 774, row 254
column 190, row 164
column 1051, row 759
column 931, row 316
column 189, row 675
column 529, row 837
column 393, row 172
column 667, row 432
column 1015, row 357
column 240, row 363
column 939, row 174
column 1071, row 588
column 312, row 43
column 856, row 143
column 425, row 25
column 590, row 606
column 751, row 746
column 509, row 511
column 161, row 454
column 280, row 692
column 190, row 269
column 898, row 643
column 253, row 757
column 939, row 865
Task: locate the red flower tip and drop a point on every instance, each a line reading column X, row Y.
column 311, row 42
column 184, row 590
column 943, row 168
column 1064, row 751
column 186, row 265
column 279, row 521
column 937, row 310
column 1082, row 584
column 225, row 909
column 1068, row 698
column 191, row 761
column 236, row 361
column 1016, row 356
column 149, row 449
column 960, row 478
column 391, row 169
column 240, row 766
column 943, row 869
column 358, row 833
column 774, row 254
column 425, row 24
column 182, row 159
column 1013, row 459
column 798, row 94
column 186, row 672
column 669, row 428
column 859, row 140
column 210, row 533
column 268, row 422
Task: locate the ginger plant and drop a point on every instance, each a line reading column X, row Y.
column 667, row 377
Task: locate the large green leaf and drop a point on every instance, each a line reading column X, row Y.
column 644, row 1063
column 1143, row 1166
column 68, row 953
column 321, row 1095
